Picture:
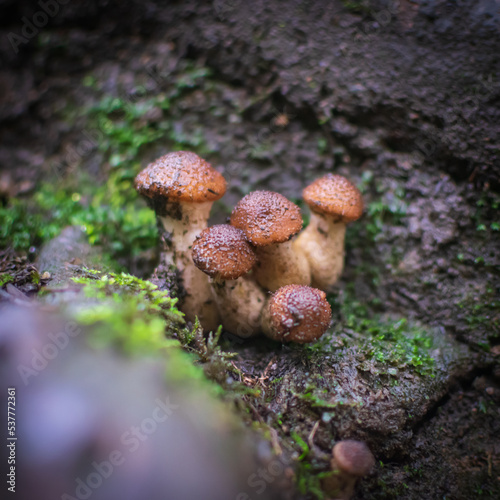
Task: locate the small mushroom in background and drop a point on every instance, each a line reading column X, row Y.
column 296, row 313
column 351, row 460
column 269, row 221
column 334, row 202
column 222, row 252
column 181, row 187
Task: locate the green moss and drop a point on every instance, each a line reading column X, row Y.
column 5, row 278
column 112, row 215
column 35, row 277
column 124, row 125
column 114, row 286
column 315, row 397
column 357, row 6
column 381, row 213
column 131, row 311
column 133, row 314
column 22, row 226
column 388, row 208
column 308, row 479
column 483, row 312
column 111, row 212
column 388, row 342
column 304, row 447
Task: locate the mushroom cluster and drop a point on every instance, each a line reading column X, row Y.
column 254, row 274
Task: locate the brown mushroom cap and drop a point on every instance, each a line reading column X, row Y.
column 336, row 196
column 266, row 218
column 353, row 457
column 299, row 313
column 222, row 251
column 181, row 176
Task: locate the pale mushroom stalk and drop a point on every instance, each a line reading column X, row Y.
column 279, row 265
column 266, row 322
column 223, row 253
column 181, row 187
column 334, row 202
column 182, row 228
column 269, row 221
column 296, row 313
column 240, row 303
column 322, row 244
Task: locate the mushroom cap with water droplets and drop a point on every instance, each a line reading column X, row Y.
column 266, row 218
column 336, row 196
column 299, row 313
column 222, row 251
column 181, row 176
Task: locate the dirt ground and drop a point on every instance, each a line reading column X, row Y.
column 401, row 97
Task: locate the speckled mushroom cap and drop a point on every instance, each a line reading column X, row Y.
column 181, row 176
column 222, row 251
column 353, row 457
column 299, row 313
column 266, row 218
column 334, row 195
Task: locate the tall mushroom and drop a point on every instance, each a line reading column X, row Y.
column 334, row 202
column 269, row 221
column 351, row 460
column 181, row 187
column 223, row 253
column 296, row 313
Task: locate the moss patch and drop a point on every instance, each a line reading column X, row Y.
column 390, row 343
column 110, row 211
column 134, row 315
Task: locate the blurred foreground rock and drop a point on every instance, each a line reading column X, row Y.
column 94, row 422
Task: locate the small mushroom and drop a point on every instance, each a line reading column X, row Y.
column 296, row 313
column 351, row 460
column 334, row 202
column 223, row 253
column 181, row 187
column 269, row 221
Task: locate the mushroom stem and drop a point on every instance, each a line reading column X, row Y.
column 340, row 485
column 223, row 253
column 350, row 461
column 181, row 188
column 182, row 223
column 279, row 265
column 322, row 244
column 240, row 304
